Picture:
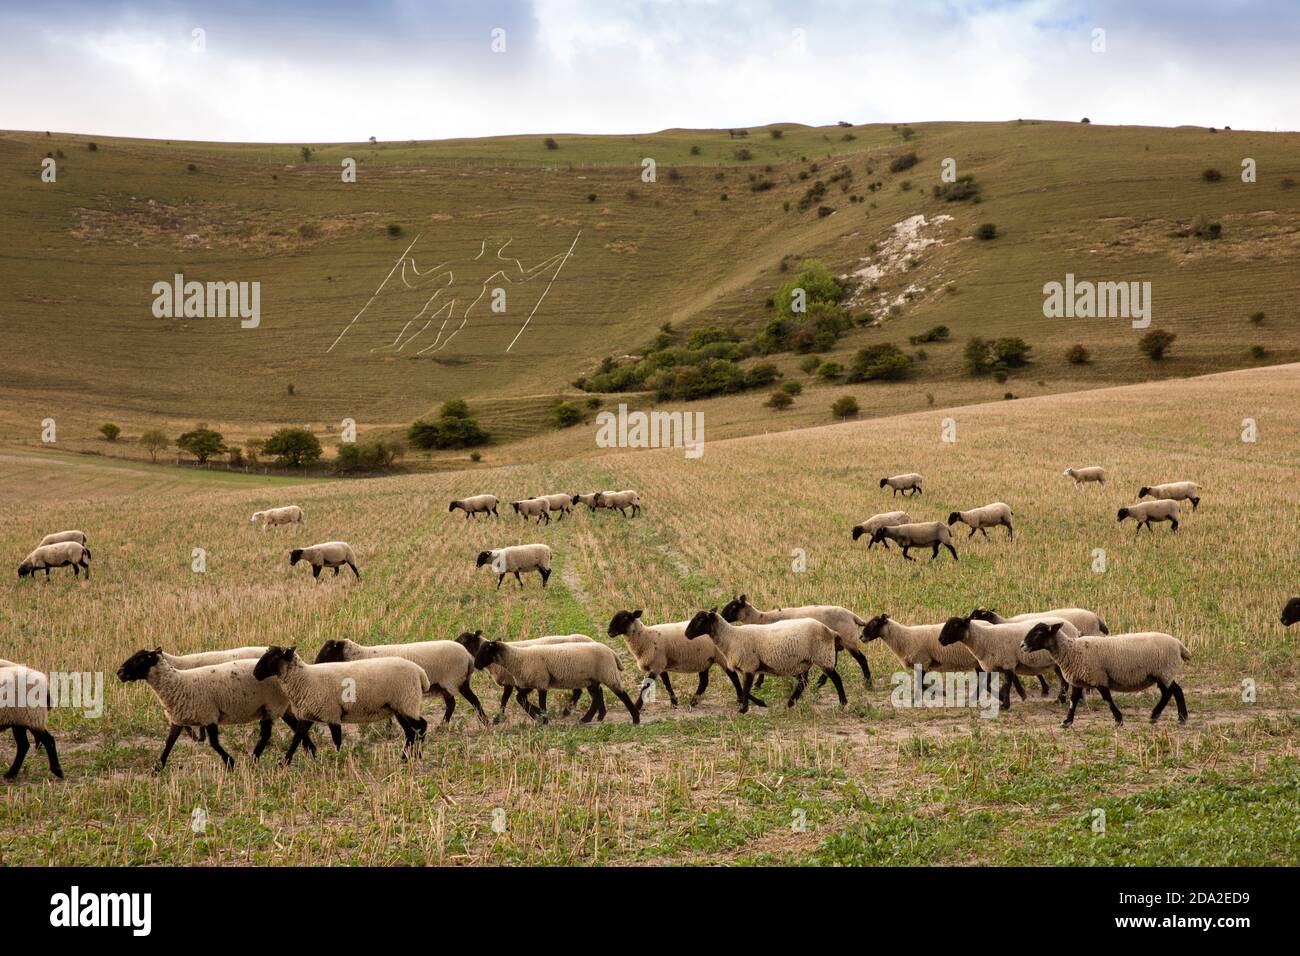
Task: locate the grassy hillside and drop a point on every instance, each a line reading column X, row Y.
column 874, row 784
column 80, row 257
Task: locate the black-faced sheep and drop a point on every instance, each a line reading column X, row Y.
column 1175, row 491
column 997, row 648
column 869, row 527
column 1145, row 512
column 61, row 536
column 289, row 514
column 331, row 554
column 1291, row 612
column 981, row 519
column 841, row 620
column 568, row 666
column 25, row 706
column 61, row 555
column 905, row 483
column 475, row 505
column 537, row 508
column 473, row 640
column 561, row 503
column 924, row 534
column 1083, row 476
column 622, row 500
column 917, row 646
column 447, row 664
column 517, row 559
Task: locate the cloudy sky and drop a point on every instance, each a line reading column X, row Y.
column 343, row 70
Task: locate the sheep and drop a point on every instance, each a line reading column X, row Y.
column 1088, row 623
column 208, row 696
column 661, row 648
column 917, row 646
column 61, row 536
column 561, row 503
column 538, row 508
column 841, row 620
column 447, row 664
column 347, row 692
column 1123, row 662
column 1175, row 490
column 888, row 519
column 996, row 647
column 518, row 558
column 785, row 648
column 904, row 483
column 988, row 516
column 289, row 514
column 331, row 554
column 61, row 555
column 589, row 500
column 567, row 666
column 1082, row 476
column 924, row 534
column 1145, row 512
column 475, row 505
column 621, row 500
column 24, row 706
column 1291, row 613
column 472, row 641
column 185, row 662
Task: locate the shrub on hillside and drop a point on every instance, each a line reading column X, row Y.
column 1211, row 175
column 779, row 401
column 937, row 334
column 1078, row 355
column 1156, row 343
column 845, row 407
column 203, row 443
column 963, row 188
column 109, row 431
column 567, row 414
column 550, row 143
column 883, row 362
column 375, row 454
column 153, row 441
column 903, row 163
column 986, row 231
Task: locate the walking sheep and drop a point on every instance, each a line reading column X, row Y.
column 25, row 706
column 1291, row 612
column 476, row 505
column 997, row 649
column 537, row 508
column 1145, row 512
column 904, row 483
column 1123, row 662
column 60, row 536
column 622, row 500
column 1174, row 490
column 925, row 534
column 1088, row 623
column 589, row 500
column 1083, row 476
column 569, row 666
column 61, row 555
column 516, row 559
column 448, row 666
column 331, row 554
column 889, row 519
column 561, row 503
column 988, row 516
column 917, row 646
column 289, row 514
column 472, row 641
column 841, row 620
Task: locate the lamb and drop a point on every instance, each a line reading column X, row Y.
column 622, row 500
column 997, row 649
column 917, row 646
column 538, row 508
column 1145, row 512
column 473, row 641
column 904, row 483
column 841, row 620
column 348, row 692
column 447, row 664
column 289, row 514
column 1087, row 623
column 518, row 558
column 561, row 503
column 60, row 555
column 331, row 554
column 1082, row 476
column 24, row 706
column 924, row 534
column 208, row 696
column 1174, row 490
column 889, row 519
column 785, row 648
column 567, row 666
column 475, row 505
column 661, row 648
column 61, row 536
column 988, row 516
column 1123, row 662
column 1291, row 613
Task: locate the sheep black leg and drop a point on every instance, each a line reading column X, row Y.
column 315, row 570
column 800, row 683
column 906, row 555
column 572, row 702
column 952, row 551
column 299, row 735
column 934, row 553
column 1014, row 682
column 597, row 698
column 307, row 743
column 861, row 658
column 735, row 682
column 46, row 739
column 630, row 704
column 505, row 702
column 701, row 688
column 1076, row 695
column 172, row 734
column 520, row 580
column 1105, row 695
column 263, row 738
column 541, row 701
column 448, row 705
column 668, row 686
column 1011, row 534
column 1009, row 680
column 1065, row 687
column 468, row 693
column 1165, row 694
column 1043, row 687
column 500, row 578
column 355, row 572
column 744, row 695
column 1175, row 523
column 538, row 715
column 546, row 575
column 336, row 570
column 214, row 741
column 759, row 681
column 336, row 735
column 1195, row 502
column 1178, row 699
column 22, row 745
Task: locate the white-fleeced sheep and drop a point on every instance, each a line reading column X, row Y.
column 923, row 534
column 517, row 559
column 475, row 505
column 538, row 508
column 331, row 554
column 24, row 707
column 448, row 666
column 1174, row 490
column 1087, row 623
column 185, row 662
column 785, row 649
column 622, row 500
column 567, row 666
column 561, row 503
column 1123, row 662
column 1145, row 512
column 61, row 555
column 1291, row 612
column 997, row 648
column 917, row 646
column 904, row 483
column 289, row 514
column 206, row 697
column 349, row 692
column 661, row 648
column 473, row 640
column 589, row 500
column 888, row 519
column 988, row 516
column 846, row 625
column 1083, row 476
column 60, row 536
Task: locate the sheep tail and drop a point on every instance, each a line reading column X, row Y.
column 618, row 663
column 1102, row 625
column 857, row 620
column 1182, row 650
column 87, row 552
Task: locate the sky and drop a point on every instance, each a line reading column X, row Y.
column 331, row 71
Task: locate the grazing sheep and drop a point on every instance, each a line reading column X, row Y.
column 622, row 500
column 988, row 516
column 1087, row 623
column 661, row 648
column 61, row 555
column 24, row 706
column 349, row 692
column 447, row 664
column 917, row 646
column 60, row 536
column 289, row 514
column 841, row 620
column 1291, row 613
column 785, row 649
column 1123, row 662
column 1082, row 476
column 997, row 649
column 516, row 559
column 1174, row 490
column 904, row 483
column 561, row 503
column 473, row 506
column 888, row 519
column 208, row 696
column 331, row 554
column 538, row 508
column 1145, row 512
column 473, row 641
column 924, row 534
column 567, row 666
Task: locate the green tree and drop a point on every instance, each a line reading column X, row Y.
column 1155, row 343
column 819, row 286
column 293, row 446
column 153, row 441
column 109, row 431
column 203, row 443
column 567, row 414
column 779, row 400
column 884, row 362
column 845, row 407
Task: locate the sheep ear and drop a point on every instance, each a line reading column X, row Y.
column 1056, row 627
column 478, row 633
column 744, row 599
column 158, row 649
column 637, row 612
column 290, row 652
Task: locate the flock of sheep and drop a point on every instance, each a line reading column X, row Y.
column 350, row 683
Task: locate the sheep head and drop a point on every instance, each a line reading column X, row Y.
column 331, row 651
column 484, row 556
column 702, row 623
column 138, row 665
column 1041, row 636
column 872, row 629
column 487, row 654
column 621, row 622
column 274, row 662
column 954, row 630
column 1291, row 613
column 470, row 640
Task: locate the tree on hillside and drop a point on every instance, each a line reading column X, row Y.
column 845, row 407
column 203, row 443
column 293, row 446
column 1155, row 343
column 109, row 431
column 153, row 441
column 454, row 428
